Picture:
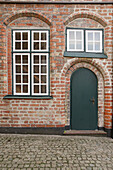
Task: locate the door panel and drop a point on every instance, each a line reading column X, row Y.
column 83, row 100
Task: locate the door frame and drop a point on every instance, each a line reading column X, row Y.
column 70, row 126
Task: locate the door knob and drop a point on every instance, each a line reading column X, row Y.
column 92, row 100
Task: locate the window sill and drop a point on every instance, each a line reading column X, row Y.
column 84, row 54
column 26, row 97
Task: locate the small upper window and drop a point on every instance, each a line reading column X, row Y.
column 75, row 40
column 93, row 41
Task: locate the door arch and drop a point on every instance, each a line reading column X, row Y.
column 84, row 100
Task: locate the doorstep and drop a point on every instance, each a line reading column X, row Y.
column 86, row 133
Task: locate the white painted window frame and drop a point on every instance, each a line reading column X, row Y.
column 93, row 31
column 14, row 74
column 15, row 31
column 75, row 30
column 47, row 78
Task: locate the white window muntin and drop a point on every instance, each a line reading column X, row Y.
column 14, row 40
column 94, row 41
column 40, row 64
column 46, row 41
column 14, row 74
column 75, row 40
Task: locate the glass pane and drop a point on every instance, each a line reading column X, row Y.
column 36, row 36
column 25, row 35
column 43, row 69
column 97, row 46
column 43, row 45
column 78, row 45
column 90, row 46
column 78, row 35
column 43, row 89
column 43, row 59
column 36, row 78
column 25, row 78
column 18, row 45
column 18, row 59
column 90, row 35
column 17, row 36
column 71, row 35
column 25, row 69
column 36, row 45
column 18, row 88
column 36, row 59
column 25, row 59
column 25, row 88
column 43, row 36
column 25, row 45
column 36, row 89
column 71, row 45
column 97, row 36
column 36, row 69
column 18, row 78
column 43, row 78
column 18, row 69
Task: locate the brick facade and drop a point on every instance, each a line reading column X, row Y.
column 56, row 17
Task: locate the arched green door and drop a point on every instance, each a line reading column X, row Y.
column 83, row 100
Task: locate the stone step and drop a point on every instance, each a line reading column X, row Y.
column 86, row 133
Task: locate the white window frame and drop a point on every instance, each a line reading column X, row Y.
column 40, row 31
column 14, row 74
column 75, row 30
column 47, row 82
column 15, row 31
column 94, row 31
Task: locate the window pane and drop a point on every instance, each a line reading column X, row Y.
column 36, row 36
column 43, row 89
column 36, row 45
column 43, row 78
column 78, row 45
column 36, row 88
column 90, row 46
column 43, row 36
column 18, row 69
column 24, row 45
column 78, row 35
column 43, row 69
column 43, row 45
column 25, row 69
column 25, row 59
column 18, row 88
column 71, row 45
column 25, row 88
column 90, row 35
column 18, row 45
column 97, row 46
column 71, row 35
column 25, row 78
column 25, row 35
column 43, row 59
column 36, row 59
column 97, row 36
column 36, row 78
column 18, row 78
column 17, row 36
column 36, row 69
column 18, row 58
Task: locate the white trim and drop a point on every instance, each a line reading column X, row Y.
column 94, row 41
column 68, row 39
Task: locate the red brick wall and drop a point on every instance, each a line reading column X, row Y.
column 55, row 112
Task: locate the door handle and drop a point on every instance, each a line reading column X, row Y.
column 92, row 100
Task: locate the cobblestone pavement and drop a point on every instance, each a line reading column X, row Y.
column 33, row 152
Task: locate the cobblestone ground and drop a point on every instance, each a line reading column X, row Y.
column 33, row 152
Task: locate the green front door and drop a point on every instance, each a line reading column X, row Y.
column 83, row 100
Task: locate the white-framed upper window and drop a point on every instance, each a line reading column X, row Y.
column 30, row 65
column 75, row 40
column 94, row 41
